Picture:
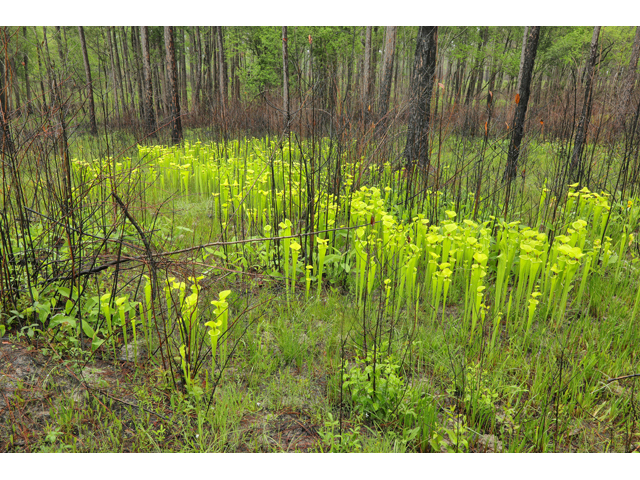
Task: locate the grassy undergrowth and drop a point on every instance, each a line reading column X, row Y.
column 246, row 300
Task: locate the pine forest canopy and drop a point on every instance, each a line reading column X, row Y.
column 246, row 64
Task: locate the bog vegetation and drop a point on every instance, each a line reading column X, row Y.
column 284, row 278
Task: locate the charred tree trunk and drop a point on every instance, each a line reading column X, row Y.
column 137, row 56
column 93, row 127
column 127, row 69
column 347, row 90
column 222, row 69
column 121, row 86
column 207, row 73
column 583, row 124
column 422, row 80
column 183, row 73
column 630, row 79
column 6, row 143
column 522, row 56
column 195, row 69
column 387, row 76
column 41, row 74
column 114, row 81
column 25, row 63
column 285, row 81
column 522, row 100
column 149, row 116
column 366, row 80
column 176, row 123
column 15, row 86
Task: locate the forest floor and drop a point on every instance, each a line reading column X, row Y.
column 49, row 403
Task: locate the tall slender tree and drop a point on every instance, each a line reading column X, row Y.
column 6, row 145
column 285, row 80
column 522, row 100
column 176, row 123
column 366, row 74
column 630, row 78
column 522, row 55
column 387, row 76
column 93, row 127
column 222, row 69
column 149, row 116
column 25, row 64
column 422, row 79
column 114, row 75
column 583, row 123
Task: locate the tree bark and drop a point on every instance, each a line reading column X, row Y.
column 522, row 55
column 285, row 81
column 93, row 127
column 583, row 124
column 222, row 69
column 127, row 69
column 25, row 62
column 183, row 72
column 149, row 116
column 41, row 74
column 7, row 148
column 387, row 76
column 15, row 86
column 114, row 81
column 630, row 79
column 121, row 86
column 366, row 80
column 521, row 108
column 195, row 68
column 347, row 89
column 137, row 58
column 422, row 80
column 176, row 124
column 207, row 72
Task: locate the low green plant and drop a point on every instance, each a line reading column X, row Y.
column 375, row 386
column 345, row 442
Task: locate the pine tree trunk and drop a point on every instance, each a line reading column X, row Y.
column 236, row 77
column 149, row 116
column 366, row 80
column 422, row 79
column 387, row 76
column 194, row 70
column 121, row 86
column 15, row 86
column 208, row 83
column 521, row 109
column 347, row 89
column 522, row 54
column 93, row 127
column 176, row 123
column 113, row 75
column 183, row 74
column 127, row 70
column 137, row 60
column 40, row 73
column 222, row 69
column 583, row 124
column 25, row 62
column 6, row 144
column 63, row 63
column 374, row 68
column 163, row 80
column 630, row 79
column 285, row 81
